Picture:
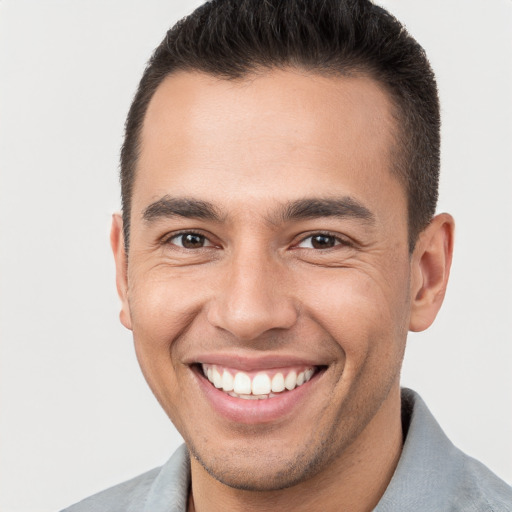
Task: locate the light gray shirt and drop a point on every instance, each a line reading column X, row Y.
column 432, row 476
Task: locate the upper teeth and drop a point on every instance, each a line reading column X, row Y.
column 259, row 385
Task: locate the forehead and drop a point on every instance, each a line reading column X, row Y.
column 279, row 133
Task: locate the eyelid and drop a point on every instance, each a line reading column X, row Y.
column 339, row 240
column 167, row 239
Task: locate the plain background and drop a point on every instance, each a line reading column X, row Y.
column 76, row 415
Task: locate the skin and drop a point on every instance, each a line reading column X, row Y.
column 259, row 287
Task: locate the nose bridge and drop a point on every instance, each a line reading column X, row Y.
column 253, row 296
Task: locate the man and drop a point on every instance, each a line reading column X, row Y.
column 277, row 242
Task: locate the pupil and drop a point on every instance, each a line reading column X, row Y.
column 191, row 241
column 322, row 241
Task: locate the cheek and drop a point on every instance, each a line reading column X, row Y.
column 365, row 315
column 162, row 303
column 162, row 308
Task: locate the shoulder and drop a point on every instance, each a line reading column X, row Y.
column 163, row 488
column 480, row 490
column 434, row 475
column 125, row 497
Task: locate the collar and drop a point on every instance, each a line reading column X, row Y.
column 418, row 478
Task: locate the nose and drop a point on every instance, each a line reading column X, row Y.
column 253, row 298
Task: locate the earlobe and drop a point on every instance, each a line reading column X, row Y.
column 121, row 261
column 431, row 262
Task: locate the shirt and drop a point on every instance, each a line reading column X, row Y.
column 432, row 475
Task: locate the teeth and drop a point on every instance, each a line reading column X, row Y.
column 217, row 378
column 291, row 381
column 252, row 397
column 242, row 384
column 278, row 383
column 227, row 381
column 261, row 386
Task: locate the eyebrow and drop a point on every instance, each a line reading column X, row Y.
column 168, row 207
column 301, row 209
column 343, row 207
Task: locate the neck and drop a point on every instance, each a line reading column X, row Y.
column 355, row 481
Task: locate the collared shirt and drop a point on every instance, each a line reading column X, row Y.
column 432, row 476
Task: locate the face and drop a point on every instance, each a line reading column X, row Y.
column 268, row 276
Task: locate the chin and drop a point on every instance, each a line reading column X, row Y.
column 254, row 470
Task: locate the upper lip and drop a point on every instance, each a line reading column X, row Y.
column 248, row 363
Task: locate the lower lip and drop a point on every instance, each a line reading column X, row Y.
column 254, row 411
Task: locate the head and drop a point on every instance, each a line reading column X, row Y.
column 233, row 39
column 279, row 179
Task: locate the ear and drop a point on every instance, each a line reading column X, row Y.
column 117, row 243
column 431, row 262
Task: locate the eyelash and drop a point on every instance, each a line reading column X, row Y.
column 337, row 239
column 168, row 239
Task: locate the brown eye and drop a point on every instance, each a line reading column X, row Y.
column 323, row 241
column 319, row 241
column 190, row 241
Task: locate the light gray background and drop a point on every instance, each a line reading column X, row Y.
column 76, row 415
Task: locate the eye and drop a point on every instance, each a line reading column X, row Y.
column 190, row 240
column 321, row 241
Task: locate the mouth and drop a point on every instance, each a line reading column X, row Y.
column 257, row 385
column 257, row 391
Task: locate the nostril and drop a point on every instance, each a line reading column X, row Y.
column 248, row 319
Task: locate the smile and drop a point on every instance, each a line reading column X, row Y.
column 257, row 385
column 257, row 391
